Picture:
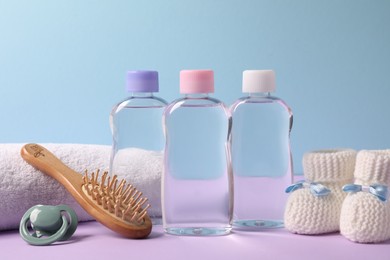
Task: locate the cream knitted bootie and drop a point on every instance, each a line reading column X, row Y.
column 365, row 214
column 314, row 206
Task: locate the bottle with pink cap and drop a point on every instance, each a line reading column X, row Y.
column 196, row 183
column 260, row 152
column 138, row 137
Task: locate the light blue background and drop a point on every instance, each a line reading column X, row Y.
column 63, row 63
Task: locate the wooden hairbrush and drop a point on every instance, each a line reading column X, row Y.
column 117, row 205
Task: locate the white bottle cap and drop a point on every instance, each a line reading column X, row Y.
column 255, row 81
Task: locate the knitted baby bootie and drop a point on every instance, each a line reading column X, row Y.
column 314, row 205
column 365, row 213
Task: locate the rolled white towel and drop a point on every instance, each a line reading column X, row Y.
column 22, row 186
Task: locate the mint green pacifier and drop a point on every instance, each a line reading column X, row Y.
column 48, row 224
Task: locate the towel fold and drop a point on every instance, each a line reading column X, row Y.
column 22, row 186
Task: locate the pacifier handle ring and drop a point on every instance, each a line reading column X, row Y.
column 25, row 234
column 73, row 221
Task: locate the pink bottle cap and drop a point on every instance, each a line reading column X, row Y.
column 196, row 81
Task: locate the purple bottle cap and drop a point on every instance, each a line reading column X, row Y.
column 142, row 81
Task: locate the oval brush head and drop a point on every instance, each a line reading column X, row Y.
column 117, row 205
column 123, row 200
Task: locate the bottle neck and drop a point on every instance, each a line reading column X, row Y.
column 142, row 94
column 196, row 95
column 259, row 94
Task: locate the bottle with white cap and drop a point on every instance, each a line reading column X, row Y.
column 260, row 152
column 196, row 183
column 138, row 138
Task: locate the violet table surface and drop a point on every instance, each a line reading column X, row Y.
column 93, row 241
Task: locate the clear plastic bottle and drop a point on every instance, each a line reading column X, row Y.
column 138, row 138
column 196, row 184
column 260, row 150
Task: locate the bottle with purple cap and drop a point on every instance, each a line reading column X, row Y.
column 138, row 139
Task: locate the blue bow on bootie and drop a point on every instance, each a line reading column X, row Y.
column 378, row 190
column 316, row 189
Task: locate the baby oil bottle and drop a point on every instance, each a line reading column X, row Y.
column 196, row 183
column 138, row 138
column 260, row 152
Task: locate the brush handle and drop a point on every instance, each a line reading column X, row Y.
column 46, row 162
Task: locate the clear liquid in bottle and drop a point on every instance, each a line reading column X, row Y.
column 197, row 188
column 261, row 156
column 138, row 138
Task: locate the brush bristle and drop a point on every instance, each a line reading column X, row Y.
column 122, row 200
